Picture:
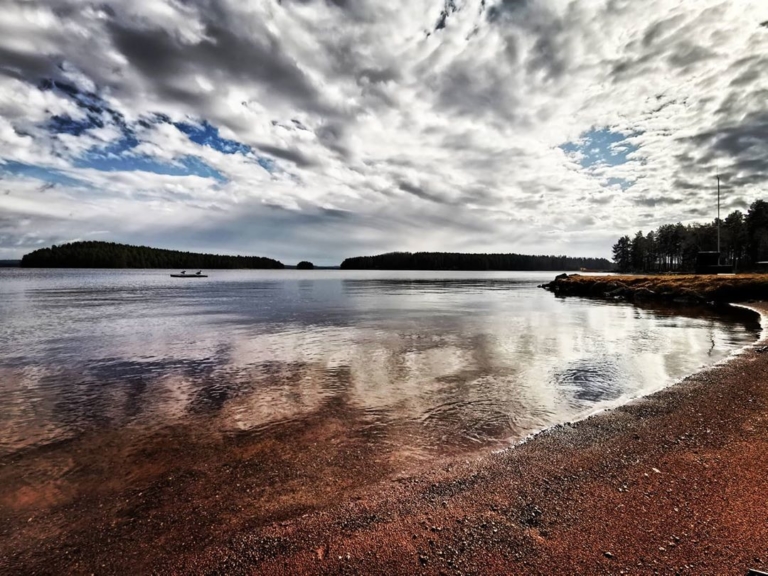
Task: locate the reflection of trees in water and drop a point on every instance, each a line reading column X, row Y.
column 116, row 391
column 390, row 286
column 161, row 479
column 306, row 286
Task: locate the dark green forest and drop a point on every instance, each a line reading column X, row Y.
column 112, row 255
column 454, row 261
column 673, row 247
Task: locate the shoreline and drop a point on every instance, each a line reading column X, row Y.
column 642, row 487
column 679, row 289
column 619, row 403
column 615, row 492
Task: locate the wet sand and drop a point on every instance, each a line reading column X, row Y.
column 673, row 483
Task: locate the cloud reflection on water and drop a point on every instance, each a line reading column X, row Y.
column 435, row 362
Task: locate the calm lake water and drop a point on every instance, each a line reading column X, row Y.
column 422, row 364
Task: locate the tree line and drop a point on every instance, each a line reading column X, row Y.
column 112, row 255
column 674, row 247
column 479, row 262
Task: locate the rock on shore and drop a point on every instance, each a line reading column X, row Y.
column 683, row 289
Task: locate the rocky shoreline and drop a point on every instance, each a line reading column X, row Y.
column 679, row 289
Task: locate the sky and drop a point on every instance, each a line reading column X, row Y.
column 322, row 129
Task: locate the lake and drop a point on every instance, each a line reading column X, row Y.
column 282, row 390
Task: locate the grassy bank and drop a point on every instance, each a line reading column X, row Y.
column 687, row 289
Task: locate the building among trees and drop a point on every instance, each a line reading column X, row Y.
column 675, row 247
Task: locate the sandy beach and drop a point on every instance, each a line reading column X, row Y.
column 673, row 483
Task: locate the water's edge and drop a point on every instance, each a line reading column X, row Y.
column 763, row 338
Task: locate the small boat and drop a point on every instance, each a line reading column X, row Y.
column 184, row 274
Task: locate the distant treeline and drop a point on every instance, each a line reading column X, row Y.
column 453, row 261
column 673, row 247
column 111, row 255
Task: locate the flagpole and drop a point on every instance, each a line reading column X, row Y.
column 718, row 219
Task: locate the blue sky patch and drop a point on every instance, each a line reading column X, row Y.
column 186, row 166
column 119, row 155
column 620, row 181
column 207, row 135
column 601, row 147
column 48, row 175
column 267, row 163
column 87, row 100
column 96, row 110
column 68, row 125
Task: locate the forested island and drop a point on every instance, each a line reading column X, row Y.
column 456, row 261
column 112, row 255
column 674, row 247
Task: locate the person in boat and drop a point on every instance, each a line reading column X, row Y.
column 199, row 272
column 183, row 271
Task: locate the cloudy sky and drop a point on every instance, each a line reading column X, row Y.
column 321, row 129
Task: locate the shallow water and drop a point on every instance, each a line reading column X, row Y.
column 417, row 365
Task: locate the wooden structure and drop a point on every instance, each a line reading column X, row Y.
column 709, row 263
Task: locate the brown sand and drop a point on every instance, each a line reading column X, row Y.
column 676, row 483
